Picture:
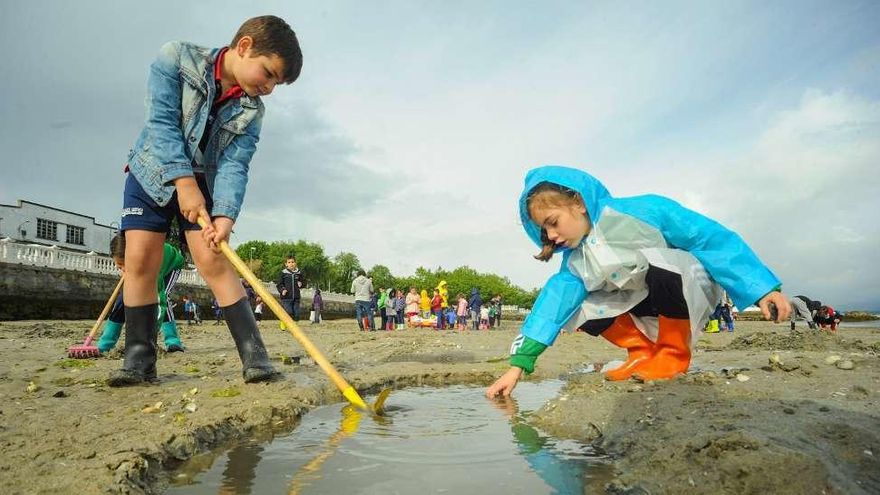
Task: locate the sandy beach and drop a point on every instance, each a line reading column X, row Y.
column 764, row 411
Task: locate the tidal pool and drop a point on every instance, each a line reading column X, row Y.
column 433, row 440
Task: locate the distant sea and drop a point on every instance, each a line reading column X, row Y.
column 860, row 324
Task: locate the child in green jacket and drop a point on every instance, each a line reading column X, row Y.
column 172, row 262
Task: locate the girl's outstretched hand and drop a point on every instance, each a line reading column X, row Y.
column 778, row 299
column 504, row 386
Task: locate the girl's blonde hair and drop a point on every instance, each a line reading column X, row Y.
column 550, row 195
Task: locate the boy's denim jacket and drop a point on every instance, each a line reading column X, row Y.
column 180, row 91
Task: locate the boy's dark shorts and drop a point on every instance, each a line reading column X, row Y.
column 140, row 212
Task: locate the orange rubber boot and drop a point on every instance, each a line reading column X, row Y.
column 672, row 354
column 624, row 333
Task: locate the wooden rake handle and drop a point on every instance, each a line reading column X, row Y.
column 347, row 390
column 94, row 331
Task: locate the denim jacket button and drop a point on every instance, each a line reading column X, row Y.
column 192, row 139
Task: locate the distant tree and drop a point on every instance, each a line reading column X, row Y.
column 254, row 250
column 267, row 260
column 343, row 270
column 313, row 263
column 381, row 276
column 310, row 258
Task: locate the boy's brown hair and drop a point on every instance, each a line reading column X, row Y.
column 273, row 36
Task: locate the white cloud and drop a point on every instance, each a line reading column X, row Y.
column 408, row 135
column 803, row 194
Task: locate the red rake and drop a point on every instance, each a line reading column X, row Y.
column 87, row 350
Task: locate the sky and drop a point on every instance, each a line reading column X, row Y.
column 407, row 137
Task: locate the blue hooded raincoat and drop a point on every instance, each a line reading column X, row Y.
column 604, row 276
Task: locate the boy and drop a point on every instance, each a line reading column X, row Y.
column 289, row 285
column 191, row 161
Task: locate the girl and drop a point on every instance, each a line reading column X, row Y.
column 631, row 268
column 461, row 312
column 425, row 304
column 484, row 318
column 391, row 309
column 400, row 307
column 412, row 303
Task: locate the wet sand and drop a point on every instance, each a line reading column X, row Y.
column 738, row 425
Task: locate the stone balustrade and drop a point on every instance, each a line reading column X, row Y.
column 48, row 282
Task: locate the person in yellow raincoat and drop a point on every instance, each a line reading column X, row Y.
column 444, row 296
column 425, row 304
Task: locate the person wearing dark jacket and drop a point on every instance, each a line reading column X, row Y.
column 317, row 305
column 474, row 303
column 290, row 281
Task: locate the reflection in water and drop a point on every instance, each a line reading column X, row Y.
column 441, row 440
column 311, row 471
column 554, row 471
column 241, row 469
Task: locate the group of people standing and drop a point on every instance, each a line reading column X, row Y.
column 397, row 310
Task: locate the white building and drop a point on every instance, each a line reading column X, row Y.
column 41, row 224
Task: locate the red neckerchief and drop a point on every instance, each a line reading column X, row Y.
column 233, row 92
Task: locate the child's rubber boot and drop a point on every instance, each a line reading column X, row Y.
column 109, row 336
column 251, row 350
column 141, row 331
column 672, row 352
column 624, row 333
column 171, row 338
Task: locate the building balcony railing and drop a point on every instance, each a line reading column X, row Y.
column 55, row 257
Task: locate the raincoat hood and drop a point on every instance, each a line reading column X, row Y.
column 592, row 191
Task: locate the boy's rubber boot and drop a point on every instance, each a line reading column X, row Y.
column 242, row 324
column 141, row 331
column 171, row 338
column 672, row 352
column 624, row 333
column 109, row 336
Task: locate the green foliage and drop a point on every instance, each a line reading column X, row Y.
column 343, row 270
column 337, row 273
column 311, row 260
column 381, row 276
column 465, row 278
